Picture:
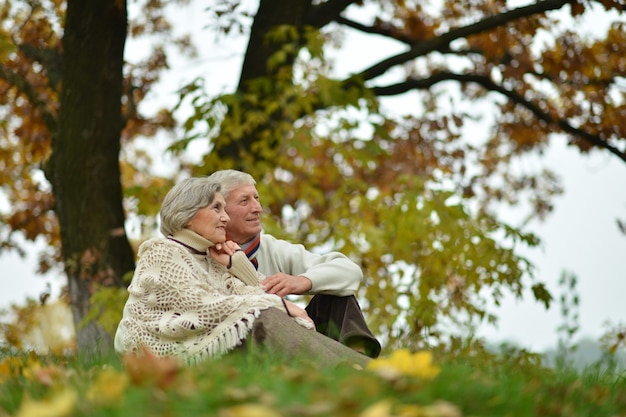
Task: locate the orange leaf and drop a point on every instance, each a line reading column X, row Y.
column 146, row 368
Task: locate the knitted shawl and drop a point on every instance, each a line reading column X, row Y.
column 188, row 305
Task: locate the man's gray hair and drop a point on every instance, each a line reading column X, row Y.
column 184, row 200
column 231, row 179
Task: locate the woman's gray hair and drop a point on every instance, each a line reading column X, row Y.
column 231, row 179
column 184, row 200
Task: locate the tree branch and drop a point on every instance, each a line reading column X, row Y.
column 49, row 58
column 325, row 12
column 490, row 85
column 30, row 92
column 373, row 30
column 442, row 42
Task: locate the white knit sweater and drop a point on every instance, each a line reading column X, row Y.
column 186, row 305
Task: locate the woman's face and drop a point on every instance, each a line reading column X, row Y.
column 210, row 221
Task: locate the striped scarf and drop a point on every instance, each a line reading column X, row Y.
column 251, row 248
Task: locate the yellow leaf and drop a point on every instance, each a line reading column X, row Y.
column 249, row 410
column 442, row 409
column 45, row 375
column 9, row 367
column 410, row 410
column 109, row 387
column 58, row 404
column 403, row 362
column 380, row 409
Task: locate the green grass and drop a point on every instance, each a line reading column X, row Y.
column 476, row 385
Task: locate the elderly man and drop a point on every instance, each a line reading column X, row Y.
column 290, row 269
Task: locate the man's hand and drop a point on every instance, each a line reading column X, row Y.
column 284, row 284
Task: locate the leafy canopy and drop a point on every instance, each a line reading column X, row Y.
column 408, row 192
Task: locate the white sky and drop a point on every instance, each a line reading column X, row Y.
column 581, row 236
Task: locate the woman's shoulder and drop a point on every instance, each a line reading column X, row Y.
column 157, row 243
column 162, row 253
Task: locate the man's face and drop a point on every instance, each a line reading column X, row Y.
column 244, row 208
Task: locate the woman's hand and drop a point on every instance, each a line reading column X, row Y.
column 297, row 311
column 222, row 252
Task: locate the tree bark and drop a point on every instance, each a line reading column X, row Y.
column 84, row 165
column 270, row 16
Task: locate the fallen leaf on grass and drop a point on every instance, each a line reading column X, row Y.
column 381, row 408
column 385, row 408
column 147, row 368
column 10, row 367
column 108, row 387
column 45, row 375
column 402, row 362
column 58, row 404
column 249, row 410
column 319, row 408
column 441, row 409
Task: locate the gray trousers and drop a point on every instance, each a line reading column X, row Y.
column 280, row 335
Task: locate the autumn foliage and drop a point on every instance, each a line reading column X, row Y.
column 408, row 191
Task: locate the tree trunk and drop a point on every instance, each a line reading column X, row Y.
column 84, row 165
column 270, row 15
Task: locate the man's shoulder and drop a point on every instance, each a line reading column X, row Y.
column 267, row 239
column 272, row 244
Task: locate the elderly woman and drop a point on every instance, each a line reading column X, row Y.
column 195, row 295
